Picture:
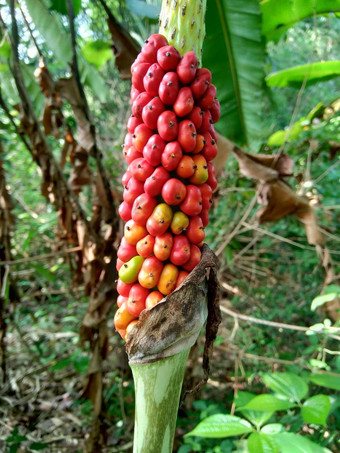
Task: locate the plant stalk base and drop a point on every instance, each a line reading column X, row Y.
column 157, row 387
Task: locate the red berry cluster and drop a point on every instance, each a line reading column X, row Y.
column 170, row 178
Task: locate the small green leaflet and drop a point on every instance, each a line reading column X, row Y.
column 330, row 293
column 287, row 384
column 310, row 73
column 316, row 409
column 221, row 425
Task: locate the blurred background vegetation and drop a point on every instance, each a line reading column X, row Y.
column 268, row 272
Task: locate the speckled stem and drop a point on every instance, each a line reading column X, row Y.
column 157, row 388
column 182, row 23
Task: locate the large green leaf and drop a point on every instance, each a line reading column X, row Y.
column 278, row 15
column 267, row 403
column 261, row 443
column 293, row 443
column 60, row 6
column 331, row 292
column 234, row 52
column 313, row 73
column 220, row 425
column 326, row 380
column 287, row 384
column 59, row 42
column 316, row 409
column 97, row 52
column 51, row 28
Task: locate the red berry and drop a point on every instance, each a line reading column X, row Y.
column 206, row 192
column 134, row 93
column 173, row 192
column 168, row 58
column 212, row 181
column 195, row 258
column 141, row 169
column 151, row 46
column 141, row 136
column 215, row 111
column 151, row 112
column 168, row 88
column 153, row 185
column 139, row 103
column 153, row 150
column 206, row 122
column 132, row 189
column 210, row 148
column 201, row 82
column 133, row 122
column 171, row 156
column 167, row 125
column 123, row 289
column 126, row 251
column 142, row 208
column 196, row 116
column 187, row 135
column 153, row 78
column 138, row 72
column 131, row 154
column 187, row 67
column 124, row 211
column 184, row 102
column 186, row 167
column 180, row 253
column 205, row 217
column 192, row 204
column 195, row 231
column 207, row 100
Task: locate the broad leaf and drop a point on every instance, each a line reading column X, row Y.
column 293, row 443
column 59, row 42
column 267, row 403
column 97, row 52
column 326, row 380
column 287, row 384
column 221, row 425
column 316, row 409
column 278, row 16
column 257, row 418
column 313, row 73
column 51, row 28
column 273, row 428
column 143, row 9
column 330, row 293
column 60, row 6
column 261, row 443
column 234, row 52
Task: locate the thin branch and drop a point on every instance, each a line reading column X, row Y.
column 42, row 257
column 29, row 111
column 283, row 239
column 278, row 325
column 31, row 34
column 238, row 226
column 75, row 70
column 16, row 127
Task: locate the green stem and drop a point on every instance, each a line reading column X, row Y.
column 182, row 23
column 157, row 387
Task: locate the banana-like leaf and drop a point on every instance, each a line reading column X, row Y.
column 279, row 15
column 58, row 41
column 313, row 73
column 234, row 51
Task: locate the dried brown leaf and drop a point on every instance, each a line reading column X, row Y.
column 280, row 200
column 174, row 324
column 263, row 167
column 125, row 48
